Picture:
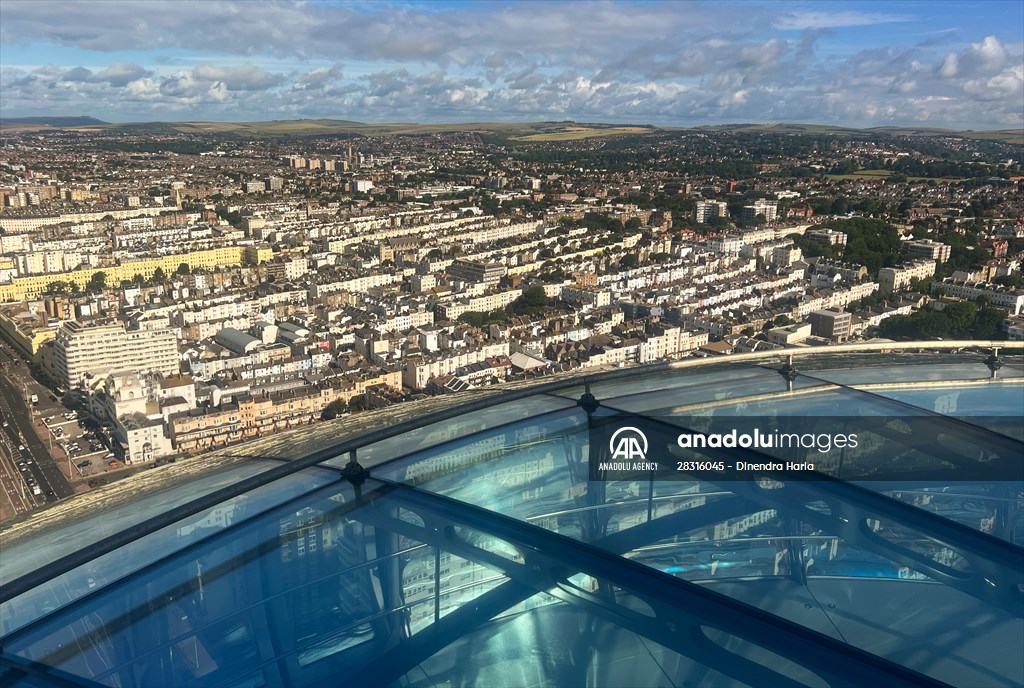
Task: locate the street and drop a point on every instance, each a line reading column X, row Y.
column 17, row 431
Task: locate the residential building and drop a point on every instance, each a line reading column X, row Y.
column 926, row 248
column 828, row 235
column 899, row 278
column 790, row 334
column 760, row 207
column 477, row 271
column 1001, row 297
column 706, row 210
column 830, row 324
column 104, row 348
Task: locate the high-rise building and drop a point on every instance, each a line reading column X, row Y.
column 760, row 207
column 104, row 348
column 705, row 210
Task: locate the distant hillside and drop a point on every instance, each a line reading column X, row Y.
column 59, row 122
column 784, row 128
column 1012, row 136
column 520, row 132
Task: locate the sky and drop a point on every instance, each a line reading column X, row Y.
column 941, row 63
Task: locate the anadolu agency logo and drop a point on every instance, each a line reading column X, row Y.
column 628, row 444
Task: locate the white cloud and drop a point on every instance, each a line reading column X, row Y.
column 121, row 73
column 950, row 66
column 637, row 61
column 835, row 20
column 245, row 78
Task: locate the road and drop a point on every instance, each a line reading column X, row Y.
column 18, row 431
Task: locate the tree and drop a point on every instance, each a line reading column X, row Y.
column 138, row 279
column 783, row 320
column 98, row 282
column 473, row 318
column 57, row 287
column 988, row 324
column 533, row 301
column 159, row 276
column 629, row 261
column 183, row 269
column 634, row 223
column 334, row 409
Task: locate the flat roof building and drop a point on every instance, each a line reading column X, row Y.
column 105, row 348
column 834, row 325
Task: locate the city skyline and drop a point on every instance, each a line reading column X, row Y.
column 958, row 65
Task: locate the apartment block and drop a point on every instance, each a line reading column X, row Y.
column 769, row 209
column 828, row 235
column 104, row 348
column 928, row 249
column 898, row 278
column 705, row 210
column 834, row 325
column 477, row 271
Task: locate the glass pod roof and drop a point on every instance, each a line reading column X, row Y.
column 531, row 538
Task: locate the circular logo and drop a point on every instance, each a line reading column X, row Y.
column 628, row 443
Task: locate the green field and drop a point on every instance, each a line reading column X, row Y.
column 863, row 175
column 578, row 133
column 879, row 175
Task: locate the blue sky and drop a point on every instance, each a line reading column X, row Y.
column 940, row 63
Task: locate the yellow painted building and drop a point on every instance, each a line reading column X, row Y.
column 25, row 336
column 31, row 286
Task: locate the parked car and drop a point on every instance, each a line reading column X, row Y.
column 84, row 464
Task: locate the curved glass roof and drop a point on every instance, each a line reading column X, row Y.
column 611, row 530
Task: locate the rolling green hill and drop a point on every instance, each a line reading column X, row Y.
column 525, row 132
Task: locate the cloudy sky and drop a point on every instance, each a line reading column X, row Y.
column 936, row 63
